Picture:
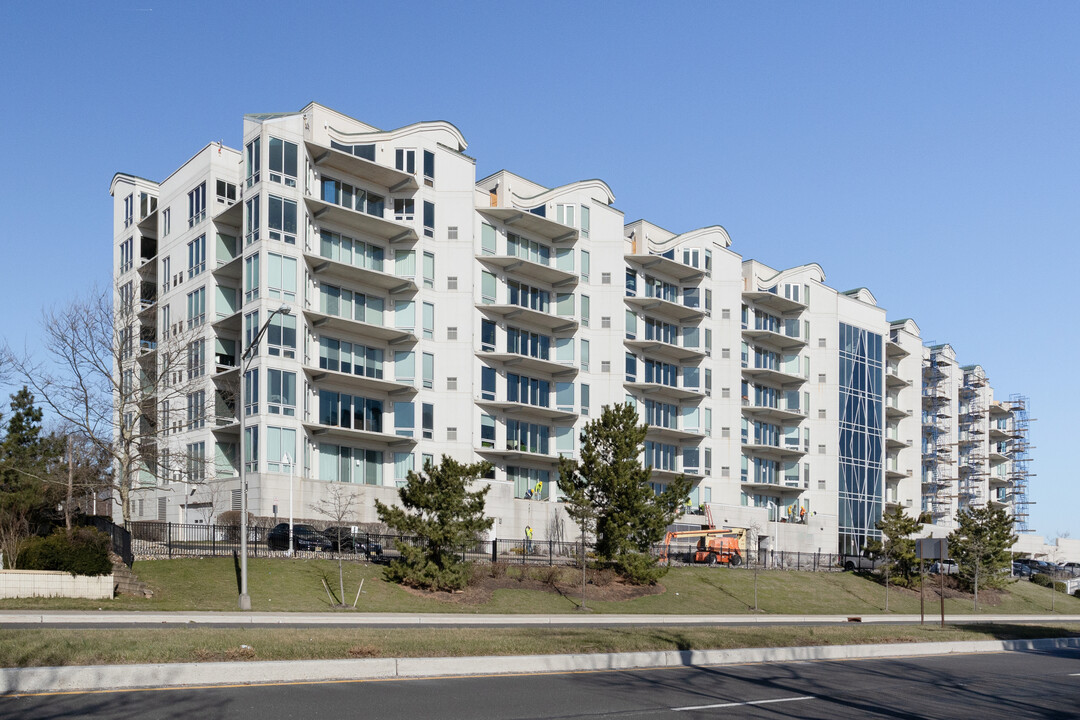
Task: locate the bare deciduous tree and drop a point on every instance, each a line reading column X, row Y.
column 339, row 505
column 121, row 387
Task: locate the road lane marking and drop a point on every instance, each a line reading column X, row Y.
column 740, row 704
column 1074, row 674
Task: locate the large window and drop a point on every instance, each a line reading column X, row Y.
column 252, row 212
column 280, row 449
column 281, row 392
column 251, row 277
column 861, row 490
column 282, row 220
column 529, row 483
column 349, row 411
column 530, row 391
column 524, row 342
column 196, row 308
column 281, row 336
column 353, row 198
column 197, row 205
column 347, row 304
column 196, row 251
column 252, row 161
column 338, row 463
column 346, row 357
column 281, row 277
column 527, row 437
column 349, row 251
column 196, row 410
column 283, row 162
column 127, row 255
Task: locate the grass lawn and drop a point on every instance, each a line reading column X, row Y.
column 66, row 646
column 296, row 585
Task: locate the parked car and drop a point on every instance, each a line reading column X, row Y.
column 945, row 567
column 343, row 539
column 1021, row 570
column 1071, row 569
column 859, row 562
column 305, row 537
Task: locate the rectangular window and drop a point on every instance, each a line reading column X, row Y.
column 196, row 409
column 404, row 209
column 584, row 399
column 427, row 420
column 253, row 218
column 404, row 314
column 196, row 307
column 129, row 210
column 428, row 321
column 487, row 288
column 196, row 256
column 403, row 465
column 487, row 383
column 127, row 255
column 226, row 192
column 251, row 392
column 429, row 270
column 251, row 277
column 252, row 161
column 281, row 336
column 166, row 222
column 283, row 162
column 197, row 205
column 429, row 219
column 585, row 265
column 404, row 418
column 251, row 449
column 585, row 355
column 282, row 220
column 487, row 336
column 429, row 169
column 585, row 309
column 280, row 449
column 405, row 160
column 196, row 358
column 428, row 370
column 281, row 280
column 585, row 221
column 405, row 366
column 281, row 392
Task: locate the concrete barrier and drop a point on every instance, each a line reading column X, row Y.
column 53, row 583
column 15, row 681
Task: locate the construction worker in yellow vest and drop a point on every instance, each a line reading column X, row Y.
column 528, row 538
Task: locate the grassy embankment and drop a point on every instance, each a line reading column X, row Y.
column 295, row 585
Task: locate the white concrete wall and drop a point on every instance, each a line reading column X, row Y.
column 48, row 583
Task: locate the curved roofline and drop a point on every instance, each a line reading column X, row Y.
column 406, row 130
column 117, row 176
column 854, row 292
column 696, row 234
column 905, row 321
column 594, row 183
column 811, row 266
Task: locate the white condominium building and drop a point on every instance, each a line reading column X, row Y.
column 350, row 303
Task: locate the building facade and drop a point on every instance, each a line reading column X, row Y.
column 351, row 303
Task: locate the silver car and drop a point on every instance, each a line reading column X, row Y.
column 944, row 567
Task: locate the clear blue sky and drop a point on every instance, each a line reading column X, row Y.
column 927, row 151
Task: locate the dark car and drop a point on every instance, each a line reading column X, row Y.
column 1021, row 570
column 343, row 539
column 860, row 562
column 305, row 537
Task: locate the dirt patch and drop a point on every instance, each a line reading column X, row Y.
column 602, row 587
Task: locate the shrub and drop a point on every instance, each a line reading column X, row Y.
column 85, row 552
column 1061, row 587
column 1042, row 579
column 230, row 519
column 639, row 568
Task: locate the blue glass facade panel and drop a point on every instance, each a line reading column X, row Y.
column 861, row 437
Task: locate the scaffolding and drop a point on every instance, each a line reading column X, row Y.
column 1019, row 453
column 972, row 462
column 937, row 455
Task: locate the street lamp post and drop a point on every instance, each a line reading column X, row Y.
column 288, row 461
column 250, row 352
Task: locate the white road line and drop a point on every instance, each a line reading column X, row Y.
column 1074, row 674
column 751, row 702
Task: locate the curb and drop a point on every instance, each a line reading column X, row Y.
column 14, row 681
column 24, row 617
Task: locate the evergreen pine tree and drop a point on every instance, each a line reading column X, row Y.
column 607, row 490
column 981, row 546
column 438, row 510
column 897, row 546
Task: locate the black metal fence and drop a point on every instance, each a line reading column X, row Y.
column 173, row 540
column 121, row 537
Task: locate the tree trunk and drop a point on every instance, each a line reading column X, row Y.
column 70, row 485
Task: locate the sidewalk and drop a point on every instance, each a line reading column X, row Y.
column 80, row 617
column 123, row 677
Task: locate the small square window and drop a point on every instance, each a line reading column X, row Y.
column 451, row 282
column 821, row 342
column 821, row 377
column 451, row 383
column 725, row 314
column 820, row 449
column 820, row 484
column 605, row 366
column 725, row 392
column 451, row 232
column 725, row 471
column 451, row 333
column 821, row 414
column 725, row 432
column 605, row 278
column 605, row 322
column 451, row 434
column 725, row 353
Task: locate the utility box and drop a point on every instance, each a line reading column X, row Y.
column 932, row 548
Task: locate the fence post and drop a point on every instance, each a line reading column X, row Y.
column 551, row 553
column 494, row 550
column 168, row 537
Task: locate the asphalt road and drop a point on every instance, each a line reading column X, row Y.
column 985, row 686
